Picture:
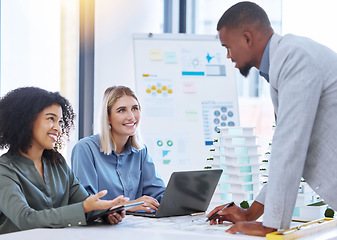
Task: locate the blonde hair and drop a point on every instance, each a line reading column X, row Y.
column 111, row 95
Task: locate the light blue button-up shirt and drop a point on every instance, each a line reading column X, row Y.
column 131, row 173
column 264, row 66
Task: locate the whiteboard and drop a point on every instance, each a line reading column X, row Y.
column 187, row 89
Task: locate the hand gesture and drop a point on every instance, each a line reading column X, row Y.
column 250, row 228
column 231, row 214
column 149, row 202
column 95, row 203
column 236, row 214
column 115, row 217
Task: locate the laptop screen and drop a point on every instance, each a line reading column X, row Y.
column 188, row 192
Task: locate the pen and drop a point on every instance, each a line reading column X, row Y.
column 216, row 214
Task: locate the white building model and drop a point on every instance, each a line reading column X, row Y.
column 235, row 152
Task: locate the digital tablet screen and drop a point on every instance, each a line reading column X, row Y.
column 113, row 209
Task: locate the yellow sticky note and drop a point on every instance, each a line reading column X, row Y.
column 156, row 55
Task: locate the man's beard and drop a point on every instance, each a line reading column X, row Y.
column 245, row 70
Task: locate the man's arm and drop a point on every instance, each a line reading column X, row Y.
column 296, row 89
column 236, row 214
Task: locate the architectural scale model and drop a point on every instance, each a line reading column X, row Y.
column 235, row 152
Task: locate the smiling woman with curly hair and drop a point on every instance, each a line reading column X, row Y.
column 37, row 188
column 18, row 111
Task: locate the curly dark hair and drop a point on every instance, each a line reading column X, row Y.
column 18, row 111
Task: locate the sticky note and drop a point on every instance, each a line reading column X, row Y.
column 191, row 115
column 189, row 87
column 156, row 55
column 170, row 57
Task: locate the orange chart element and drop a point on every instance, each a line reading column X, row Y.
column 158, row 90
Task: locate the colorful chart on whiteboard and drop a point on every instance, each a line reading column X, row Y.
column 187, row 90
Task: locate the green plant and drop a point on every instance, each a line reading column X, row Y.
column 329, row 213
column 244, row 204
column 317, row 204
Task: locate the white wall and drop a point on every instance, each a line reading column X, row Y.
column 311, row 18
column 30, row 38
column 30, row 44
column 115, row 22
column 38, row 48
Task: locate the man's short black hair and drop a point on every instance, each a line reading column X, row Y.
column 244, row 13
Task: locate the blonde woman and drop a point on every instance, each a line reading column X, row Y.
column 115, row 159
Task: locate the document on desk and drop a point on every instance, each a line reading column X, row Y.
column 199, row 224
column 182, row 226
column 183, row 223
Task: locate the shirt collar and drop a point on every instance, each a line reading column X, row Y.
column 264, row 66
column 127, row 150
column 19, row 157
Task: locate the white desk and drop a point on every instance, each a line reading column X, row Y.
column 134, row 228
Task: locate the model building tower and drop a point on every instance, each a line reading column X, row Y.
column 235, row 152
column 308, row 204
column 264, row 167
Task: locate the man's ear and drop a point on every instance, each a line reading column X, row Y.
column 248, row 38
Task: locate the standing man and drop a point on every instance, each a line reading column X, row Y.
column 303, row 85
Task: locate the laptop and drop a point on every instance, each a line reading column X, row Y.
column 187, row 192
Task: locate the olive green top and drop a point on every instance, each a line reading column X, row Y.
column 27, row 201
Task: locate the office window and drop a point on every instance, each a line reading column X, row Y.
column 202, row 18
column 39, row 45
column 30, row 44
column 254, row 103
